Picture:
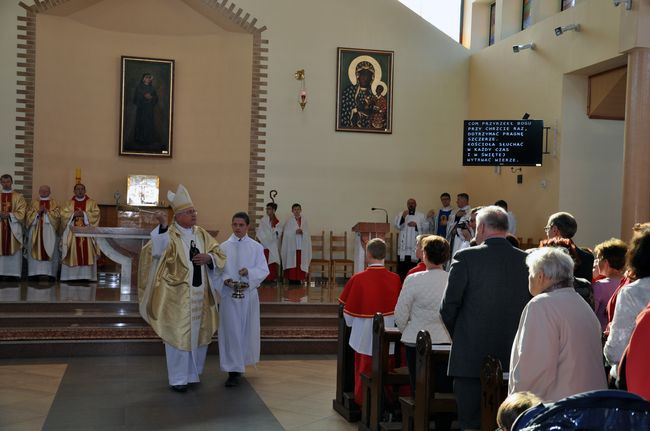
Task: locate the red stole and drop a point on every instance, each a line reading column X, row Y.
column 81, row 243
column 5, row 225
column 274, row 221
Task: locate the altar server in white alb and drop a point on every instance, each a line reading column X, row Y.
column 42, row 222
column 296, row 246
column 175, row 292
column 12, row 214
column 239, row 318
column 268, row 232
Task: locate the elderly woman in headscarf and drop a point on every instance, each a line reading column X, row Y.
column 557, row 348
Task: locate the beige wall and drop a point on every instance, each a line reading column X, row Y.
column 592, row 179
column 505, row 85
column 77, row 109
column 8, row 12
column 339, row 176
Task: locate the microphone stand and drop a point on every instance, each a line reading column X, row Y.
column 381, row 209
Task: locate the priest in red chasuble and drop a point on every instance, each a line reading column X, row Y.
column 79, row 254
column 42, row 223
column 374, row 290
column 12, row 215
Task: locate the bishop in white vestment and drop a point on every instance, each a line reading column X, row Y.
column 174, row 289
column 239, row 318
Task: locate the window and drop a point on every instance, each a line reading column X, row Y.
column 566, row 4
column 493, row 20
column 526, row 16
column 445, row 15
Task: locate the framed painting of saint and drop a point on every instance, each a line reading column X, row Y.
column 147, row 96
column 364, row 91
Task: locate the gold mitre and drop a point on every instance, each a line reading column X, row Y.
column 180, row 200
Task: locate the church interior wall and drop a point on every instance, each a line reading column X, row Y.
column 339, row 176
column 78, row 103
column 504, row 85
column 8, row 12
column 591, row 183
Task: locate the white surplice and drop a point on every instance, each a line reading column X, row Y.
column 269, row 236
column 291, row 242
column 239, row 318
column 185, row 367
column 408, row 234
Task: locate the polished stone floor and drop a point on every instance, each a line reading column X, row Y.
column 130, row 393
column 314, row 292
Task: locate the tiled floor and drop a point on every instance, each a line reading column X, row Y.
column 130, row 393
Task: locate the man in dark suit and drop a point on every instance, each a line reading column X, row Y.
column 485, row 295
column 564, row 225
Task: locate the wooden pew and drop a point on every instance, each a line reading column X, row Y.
column 494, row 389
column 344, row 402
column 428, row 401
column 382, row 374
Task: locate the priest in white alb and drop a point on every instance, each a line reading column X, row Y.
column 12, row 214
column 42, row 222
column 239, row 317
column 175, row 292
column 296, row 246
column 268, row 233
column 79, row 254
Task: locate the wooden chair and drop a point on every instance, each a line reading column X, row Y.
column 341, row 264
column 428, row 401
column 391, row 252
column 494, row 389
column 344, row 402
column 318, row 263
column 382, row 375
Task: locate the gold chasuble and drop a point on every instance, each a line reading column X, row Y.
column 43, row 236
column 79, row 251
column 164, row 290
column 11, row 235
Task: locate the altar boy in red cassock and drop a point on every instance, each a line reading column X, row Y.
column 374, row 290
column 268, row 233
column 296, row 246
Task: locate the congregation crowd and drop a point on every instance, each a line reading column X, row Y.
column 562, row 319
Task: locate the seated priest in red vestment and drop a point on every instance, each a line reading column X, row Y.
column 79, row 254
column 374, row 290
column 12, row 214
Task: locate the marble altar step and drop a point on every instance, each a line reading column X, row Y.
column 22, row 314
column 91, row 328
